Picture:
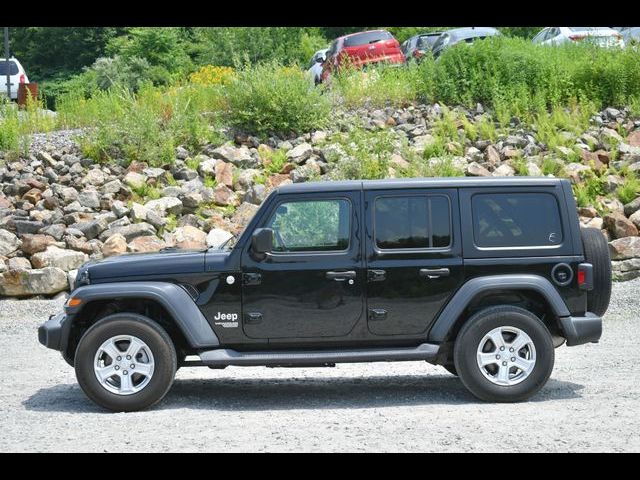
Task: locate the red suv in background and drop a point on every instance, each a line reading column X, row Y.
column 362, row 48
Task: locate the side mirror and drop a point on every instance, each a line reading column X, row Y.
column 262, row 241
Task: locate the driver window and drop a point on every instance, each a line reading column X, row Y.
column 311, row 226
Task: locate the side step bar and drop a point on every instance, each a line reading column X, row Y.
column 223, row 357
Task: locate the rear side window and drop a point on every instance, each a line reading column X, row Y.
column 516, row 220
column 366, row 38
column 409, row 222
column 11, row 66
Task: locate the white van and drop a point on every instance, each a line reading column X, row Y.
column 17, row 76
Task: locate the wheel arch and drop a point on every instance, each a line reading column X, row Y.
column 166, row 303
column 499, row 290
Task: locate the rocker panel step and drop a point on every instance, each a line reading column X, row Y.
column 224, row 356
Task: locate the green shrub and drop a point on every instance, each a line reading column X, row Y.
column 630, row 189
column 519, row 164
column 270, row 98
column 552, row 166
column 274, row 160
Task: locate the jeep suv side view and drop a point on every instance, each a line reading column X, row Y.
column 482, row 276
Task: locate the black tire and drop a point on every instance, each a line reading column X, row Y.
column 596, row 252
column 149, row 332
column 472, row 333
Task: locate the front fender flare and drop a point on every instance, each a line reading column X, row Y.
column 175, row 300
column 447, row 318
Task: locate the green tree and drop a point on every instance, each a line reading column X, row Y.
column 48, row 52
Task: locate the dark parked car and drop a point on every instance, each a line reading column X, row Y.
column 482, row 276
column 419, row 45
column 362, row 49
column 461, row 35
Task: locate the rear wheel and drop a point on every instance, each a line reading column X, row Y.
column 504, row 354
column 125, row 362
column 596, row 252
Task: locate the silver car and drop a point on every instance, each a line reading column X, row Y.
column 601, row 36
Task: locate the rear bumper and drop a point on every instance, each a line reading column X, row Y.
column 51, row 333
column 580, row 330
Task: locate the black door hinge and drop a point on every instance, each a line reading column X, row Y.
column 251, row 279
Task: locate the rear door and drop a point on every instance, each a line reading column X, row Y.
column 413, row 254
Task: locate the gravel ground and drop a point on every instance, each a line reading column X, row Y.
column 591, row 403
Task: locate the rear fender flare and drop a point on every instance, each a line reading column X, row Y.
column 463, row 297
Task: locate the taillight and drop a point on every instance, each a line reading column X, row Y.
column 582, row 277
column 585, row 276
column 577, row 38
column 22, row 78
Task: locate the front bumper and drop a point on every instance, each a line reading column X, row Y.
column 51, row 333
column 580, row 330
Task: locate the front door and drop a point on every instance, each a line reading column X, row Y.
column 312, row 284
column 414, row 261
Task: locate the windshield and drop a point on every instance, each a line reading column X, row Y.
column 365, row 38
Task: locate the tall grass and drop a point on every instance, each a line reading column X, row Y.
column 146, row 126
column 17, row 124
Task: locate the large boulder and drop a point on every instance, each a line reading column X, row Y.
column 9, row 243
column 244, row 213
column 217, row 237
column 60, row 258
column 34, row 243
column 149, row 243
column 300, row 153
column 619, row 226
column 189, row 237
column 623, row 248
column 116, row 244
column 44, row 281
column 165, row 205
column 224, row 174
column 240, row 157
column 129, row 231
column 135, row 179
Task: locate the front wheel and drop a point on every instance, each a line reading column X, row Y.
column 125, row 362
column 504, row 354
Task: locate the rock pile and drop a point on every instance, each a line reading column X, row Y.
column 59, row 209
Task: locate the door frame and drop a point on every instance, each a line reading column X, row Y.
column 353, row 254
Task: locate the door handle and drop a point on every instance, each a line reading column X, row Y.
column 434, row 272
column 340, row 276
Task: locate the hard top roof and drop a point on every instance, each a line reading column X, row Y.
column 408, row 183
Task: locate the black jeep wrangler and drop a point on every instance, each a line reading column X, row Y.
column 482, row 276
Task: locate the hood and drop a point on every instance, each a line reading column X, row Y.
column 166, row 262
